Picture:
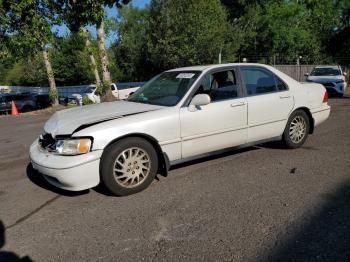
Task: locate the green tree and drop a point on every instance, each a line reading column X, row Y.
column 285, row 28
column 130, row 50
column 77, row 14
column 29, row 71
column 27, row 25
column 70, row 60
column 188, row 32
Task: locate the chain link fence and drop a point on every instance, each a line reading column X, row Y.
column 63, row 91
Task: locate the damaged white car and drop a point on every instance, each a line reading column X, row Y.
column 179, row 115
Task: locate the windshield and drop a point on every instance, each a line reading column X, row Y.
column 166, row 89
column 90, row 89
column 325, row 72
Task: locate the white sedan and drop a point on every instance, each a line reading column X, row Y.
column 177, row 116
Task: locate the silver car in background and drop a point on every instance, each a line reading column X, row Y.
column 331, row 77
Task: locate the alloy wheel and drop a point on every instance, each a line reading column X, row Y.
column 131, row 167
column 297, row 129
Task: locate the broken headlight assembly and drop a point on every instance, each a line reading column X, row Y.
column 76, row 146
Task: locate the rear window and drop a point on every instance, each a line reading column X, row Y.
column 261, row 81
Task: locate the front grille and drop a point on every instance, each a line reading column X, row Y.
column 46, row 141
column 328, row 84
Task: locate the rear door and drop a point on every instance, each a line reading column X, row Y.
column 269, row 103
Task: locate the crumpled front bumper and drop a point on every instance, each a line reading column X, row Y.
column 73, row 173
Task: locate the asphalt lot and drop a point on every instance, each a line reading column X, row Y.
column 263, row 203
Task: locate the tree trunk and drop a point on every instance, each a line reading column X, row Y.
column 92, row 58
column 94, row 68
column 106, row 76
column 103, row 52
column 50, row 76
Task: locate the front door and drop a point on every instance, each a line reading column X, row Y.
column 220, row 124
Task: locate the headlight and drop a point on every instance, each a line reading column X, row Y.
column 73, row 146
column 339, row 81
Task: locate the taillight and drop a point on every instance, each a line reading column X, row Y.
column 325, row 97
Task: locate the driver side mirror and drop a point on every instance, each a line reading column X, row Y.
column 198, row 101
column 344, row 73
column 307, row 74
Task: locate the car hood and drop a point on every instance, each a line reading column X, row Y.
column 65, row 122
column 324, row 79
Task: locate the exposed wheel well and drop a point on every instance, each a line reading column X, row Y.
column 163, row 162
column 311, row 120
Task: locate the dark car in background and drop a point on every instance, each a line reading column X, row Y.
column 25, row 102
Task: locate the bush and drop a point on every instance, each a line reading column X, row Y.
column 102, row 89
column 53, row 94
column 87, row 101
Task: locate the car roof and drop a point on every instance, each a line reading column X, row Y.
column 215, row 66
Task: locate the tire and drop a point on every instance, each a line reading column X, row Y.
column 128, row 166
column 301, row 123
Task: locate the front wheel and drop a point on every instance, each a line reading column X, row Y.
column 297, row 129
column 128, row 166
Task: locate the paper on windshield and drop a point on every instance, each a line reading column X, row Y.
column 185, row 75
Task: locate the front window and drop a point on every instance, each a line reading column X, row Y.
column 220, row 85
column 166, row 89
column 325, row 71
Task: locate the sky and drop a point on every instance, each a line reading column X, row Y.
column 111, row 12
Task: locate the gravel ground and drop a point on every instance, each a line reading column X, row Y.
column 263, row 203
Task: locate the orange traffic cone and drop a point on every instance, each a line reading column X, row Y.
column 14, row 111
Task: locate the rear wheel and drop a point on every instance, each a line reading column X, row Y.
column 297, row 129
column 128, row 166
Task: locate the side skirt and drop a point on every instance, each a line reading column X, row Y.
column 218, row 152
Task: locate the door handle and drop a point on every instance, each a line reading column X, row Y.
column 238, row 104
column 285, row 96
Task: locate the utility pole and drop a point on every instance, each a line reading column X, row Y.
column 298, row 64
column 220, row 56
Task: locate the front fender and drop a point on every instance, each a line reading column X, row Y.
column 161, row 125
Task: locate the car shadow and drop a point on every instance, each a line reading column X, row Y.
column 101, row 189
column 38, row 179
column 335, row 97
column 273, row 145
column 8, row 256
column 324, row 236
column 228, row 152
